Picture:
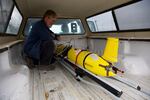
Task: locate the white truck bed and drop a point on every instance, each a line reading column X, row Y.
column 59, row 84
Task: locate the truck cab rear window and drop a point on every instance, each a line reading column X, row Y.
column 61, row 26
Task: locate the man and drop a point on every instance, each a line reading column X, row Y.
column 39, row 45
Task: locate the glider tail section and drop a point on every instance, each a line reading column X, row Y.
column 111, row 50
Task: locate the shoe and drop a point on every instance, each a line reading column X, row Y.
column 29, row 63
column 46, row 67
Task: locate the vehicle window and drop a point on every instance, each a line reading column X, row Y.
column 101, row 22
column 61, row 26
column 134, row 16
column 5, row 11
column 30, row 22
column 15, row 22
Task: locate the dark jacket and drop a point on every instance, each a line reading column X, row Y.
column 39, row 33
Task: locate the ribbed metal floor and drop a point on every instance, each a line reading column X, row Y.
column 59, row 84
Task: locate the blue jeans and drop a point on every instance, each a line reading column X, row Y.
column 47, row 50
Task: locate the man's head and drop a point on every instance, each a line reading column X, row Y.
column 49, row 17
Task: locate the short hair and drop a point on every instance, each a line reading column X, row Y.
column 49, row 13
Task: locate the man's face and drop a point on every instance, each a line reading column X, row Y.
column 50, row 20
